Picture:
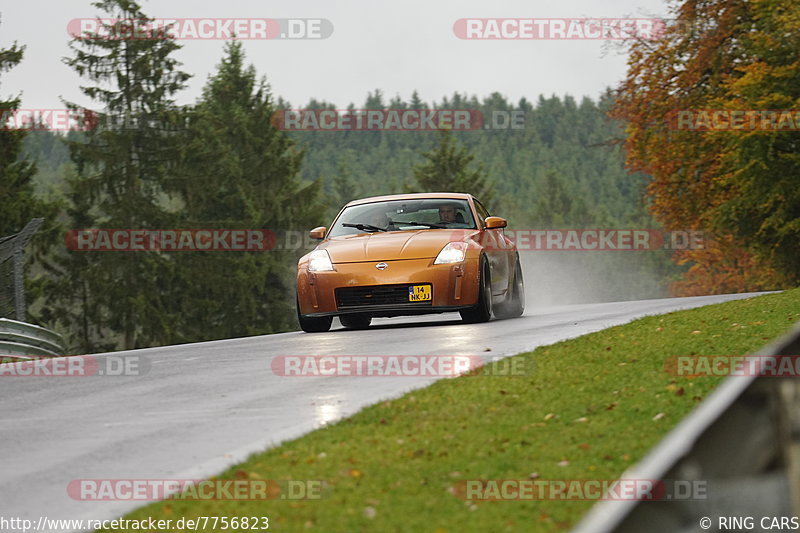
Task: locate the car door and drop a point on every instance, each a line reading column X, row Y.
column 498, row 250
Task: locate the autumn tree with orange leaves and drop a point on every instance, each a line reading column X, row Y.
column 741, row 185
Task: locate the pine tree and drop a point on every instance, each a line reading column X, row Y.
column 416, row 102
column 72, row 286
column 556, row 206
column 345, row 188
column 16, row 173
column 239, row 172
column 122, row 167
column 447, row 169
column 375, row 100
column 19, row 200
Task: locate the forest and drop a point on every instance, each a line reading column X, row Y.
column 610, row 162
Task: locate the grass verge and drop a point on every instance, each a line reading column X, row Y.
column 593, row 406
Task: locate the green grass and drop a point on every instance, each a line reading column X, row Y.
column 593, row 406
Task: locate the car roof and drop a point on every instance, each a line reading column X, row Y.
column 413, row 196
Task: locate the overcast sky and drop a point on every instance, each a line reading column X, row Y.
column 393, row 46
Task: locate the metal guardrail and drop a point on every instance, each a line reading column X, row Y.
column 28, row 341
column 12, row 265
column 742, row 442
column 17, row 350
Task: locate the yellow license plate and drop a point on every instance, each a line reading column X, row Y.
column 419, row 293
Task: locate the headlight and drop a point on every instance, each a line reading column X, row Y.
column 319, row 261
column 453, row 252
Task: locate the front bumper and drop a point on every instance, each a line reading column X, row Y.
column 454, row 287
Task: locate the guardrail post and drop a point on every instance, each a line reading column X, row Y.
column 788, row 393
column 19, row 284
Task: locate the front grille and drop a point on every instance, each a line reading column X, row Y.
column 386, row 295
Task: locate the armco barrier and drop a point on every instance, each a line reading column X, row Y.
column 742, row 443
column 27, row 341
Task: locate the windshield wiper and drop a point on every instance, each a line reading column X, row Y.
column 412, row 223
column 364, row 227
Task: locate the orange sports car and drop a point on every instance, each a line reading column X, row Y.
column 409, row 254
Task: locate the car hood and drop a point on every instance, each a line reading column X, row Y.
column 391, row 246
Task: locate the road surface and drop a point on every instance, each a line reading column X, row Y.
column 203, row 407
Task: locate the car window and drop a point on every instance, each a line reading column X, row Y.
column 482, row 211
column 403, row 215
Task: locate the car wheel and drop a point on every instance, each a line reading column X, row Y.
column 313, row 324
column 482, row 312
column 515, row 305
column 355, row 321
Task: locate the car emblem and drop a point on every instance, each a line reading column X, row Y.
column 381, row 266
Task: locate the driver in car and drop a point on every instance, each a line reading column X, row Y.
column 448, row 214
column 379, row 219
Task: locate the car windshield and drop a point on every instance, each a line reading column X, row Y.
column 404, row 215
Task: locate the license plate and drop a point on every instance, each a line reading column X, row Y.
column 419, row 293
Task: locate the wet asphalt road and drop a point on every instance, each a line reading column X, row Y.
column 202, row 407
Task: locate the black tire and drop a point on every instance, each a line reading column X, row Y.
column 355, row 321
column 482, row 311
column 313, row 324
column 515, row 304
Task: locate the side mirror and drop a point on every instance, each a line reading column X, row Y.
column 495, row 222
column 317, row 233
